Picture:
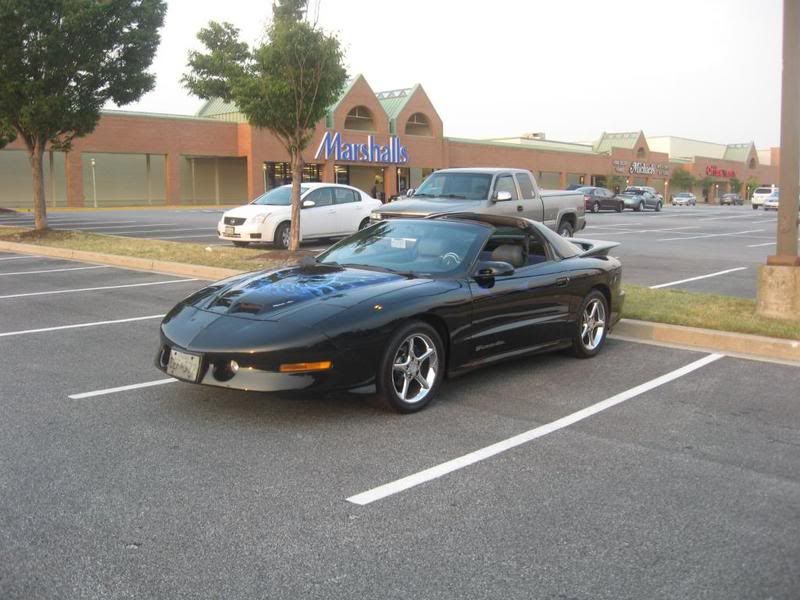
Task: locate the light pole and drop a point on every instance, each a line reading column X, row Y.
column 264, row 171
column 94, row 184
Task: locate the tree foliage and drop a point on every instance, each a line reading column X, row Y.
column 682, row 179
column 736, row 185
column 285, row 84
column 615, row 182
column 62, row 60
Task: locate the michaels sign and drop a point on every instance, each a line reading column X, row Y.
column 332, row 146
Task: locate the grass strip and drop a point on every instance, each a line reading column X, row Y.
column 723, row 313
column 228, row 257
column 675, row 307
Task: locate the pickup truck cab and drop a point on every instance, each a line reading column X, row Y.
column 496, row 191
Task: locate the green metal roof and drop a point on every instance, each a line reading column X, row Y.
column 553, row 145
column 217, row 108
column 737, row 152
column 394, row 101
column 608, row 141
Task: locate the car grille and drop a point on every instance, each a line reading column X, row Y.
column 234, row 221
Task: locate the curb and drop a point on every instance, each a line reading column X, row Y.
column 143, row 264
column 726, row 342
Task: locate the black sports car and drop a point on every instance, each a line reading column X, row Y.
column 397, row 307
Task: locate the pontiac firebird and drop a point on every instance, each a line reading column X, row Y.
column 396, row 308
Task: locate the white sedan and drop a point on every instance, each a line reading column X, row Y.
column 328, row 210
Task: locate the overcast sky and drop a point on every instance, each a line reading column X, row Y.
column 705, row 69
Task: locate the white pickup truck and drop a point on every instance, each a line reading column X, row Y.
column 512, row 192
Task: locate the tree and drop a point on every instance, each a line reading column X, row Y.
column 682, row 180
column 615, row 182
column 736, row 185
column 284, row 85
column 752, row 184
column 706, row 184
column 61, row 61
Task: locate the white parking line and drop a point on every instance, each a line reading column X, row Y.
column 183, row 237
column 95, row 289
column 124, row 226
column 123, row 388
column 711, row 235
column 18, row 257
column 78, row 326
column 156, row 231
column 760, row 245
column 461, row 462
column 663, row 285
column 54, row 270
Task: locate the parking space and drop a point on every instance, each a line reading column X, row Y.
column 647, row 472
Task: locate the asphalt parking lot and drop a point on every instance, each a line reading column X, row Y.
column 713, row 249
column 647, row 472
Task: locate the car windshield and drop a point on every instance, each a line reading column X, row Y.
column 467, row 186
column 633, row 191
column 416, row 247
column 280, row 196
column 684, row 195
column 763, row 191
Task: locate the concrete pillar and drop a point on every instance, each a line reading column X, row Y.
column 172, row 178
column 562, row 179
column 73, row 173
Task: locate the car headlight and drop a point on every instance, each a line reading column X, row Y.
column 376, row 216
column 258, row 219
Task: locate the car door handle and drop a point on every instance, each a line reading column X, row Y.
column 519, row 208
column 562, row 281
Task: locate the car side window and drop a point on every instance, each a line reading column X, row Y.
column 525, row 185
column 344, row 196
column 321, row 196
column 505, row 183
column 522, row 250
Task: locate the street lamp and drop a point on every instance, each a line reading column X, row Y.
column 264, row 170
column 94, row 184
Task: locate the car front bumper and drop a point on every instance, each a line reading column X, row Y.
column 249, row 232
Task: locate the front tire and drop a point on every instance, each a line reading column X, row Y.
column 411, row 369
column 363, row 224
column 565, row 229
column 591, row 327
column 755, row 207
column 658, row 206
column 596, row 207
column 283, row 236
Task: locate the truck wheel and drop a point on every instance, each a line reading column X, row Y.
column 565, row 229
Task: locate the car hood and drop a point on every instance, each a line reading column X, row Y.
column 250, row 210
column 414, row 207
column 318, row 291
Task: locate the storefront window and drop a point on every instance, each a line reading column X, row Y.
column 550, row 180
column 403, row 179
column 280, row 173
column 342, row 174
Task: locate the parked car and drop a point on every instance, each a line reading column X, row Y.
column 732, row 199
column 328, row 210
column 596, row 199
column 647, row 188
column 771, row 201
column 759, row 195
column 639, row 199
column 396, row 308
column 511, row 192
column 684, row 199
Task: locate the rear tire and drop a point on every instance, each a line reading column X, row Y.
column 565, row 229
column 596, row 207
column 411, row 369
column 658, row 207
column 620, row 207
column 591, row 327
column 283, row 236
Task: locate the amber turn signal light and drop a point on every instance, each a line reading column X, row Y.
column 306, row 366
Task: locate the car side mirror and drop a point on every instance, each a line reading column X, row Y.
column 489, row 269
column 309, row 204
column 410, row 192
column 501, row 196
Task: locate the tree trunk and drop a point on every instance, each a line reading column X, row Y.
column 35, row 155
column 297, row 178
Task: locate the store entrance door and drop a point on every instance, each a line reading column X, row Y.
column 368, row 179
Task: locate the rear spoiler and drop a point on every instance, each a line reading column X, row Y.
column 593, row 247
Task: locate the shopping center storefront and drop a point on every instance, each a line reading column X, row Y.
column 382, row 143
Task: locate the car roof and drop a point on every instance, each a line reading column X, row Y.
column 485, row 170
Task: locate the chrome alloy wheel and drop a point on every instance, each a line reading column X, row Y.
column 414, row 368
column 593, row 324
column 286, row 237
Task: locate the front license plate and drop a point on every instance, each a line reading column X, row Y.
column 229, row 230
column 183, row 366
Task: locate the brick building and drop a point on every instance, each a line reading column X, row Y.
column 381, row 142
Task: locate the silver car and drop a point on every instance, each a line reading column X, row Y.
column 684, row 199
